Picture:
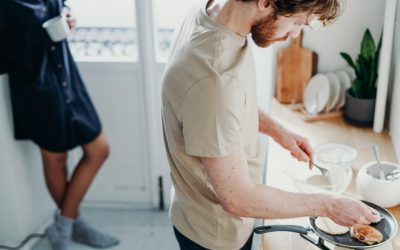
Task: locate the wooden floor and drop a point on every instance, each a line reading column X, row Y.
column 136, row 229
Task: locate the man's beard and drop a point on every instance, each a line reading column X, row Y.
column 263, row 32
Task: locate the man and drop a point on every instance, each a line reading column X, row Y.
column 211, row 123
column 52, row 108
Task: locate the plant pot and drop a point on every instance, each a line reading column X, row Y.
column 359, row 112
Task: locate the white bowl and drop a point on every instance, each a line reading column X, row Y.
column 385, row 193
column 335, row 153
column 314, row 182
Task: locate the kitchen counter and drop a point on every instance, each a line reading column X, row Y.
column 280, row 163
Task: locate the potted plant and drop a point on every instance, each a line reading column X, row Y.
column 360, row 98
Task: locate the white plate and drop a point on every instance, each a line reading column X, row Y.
column 345, row 84
column 316, row 94
column 335, row 91
column 350, row 72
column 336, row 153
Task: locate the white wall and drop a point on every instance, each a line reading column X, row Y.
column 394, row 125
column 25, row 206
column 346, row 33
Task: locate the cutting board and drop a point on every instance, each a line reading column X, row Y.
column 295, row 67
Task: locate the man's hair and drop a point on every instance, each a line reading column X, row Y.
column 327, row 10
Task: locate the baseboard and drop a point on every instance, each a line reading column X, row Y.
column 109, row 204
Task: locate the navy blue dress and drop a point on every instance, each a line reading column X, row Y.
column 50, row 104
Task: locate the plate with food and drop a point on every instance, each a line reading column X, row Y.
column 323, row 230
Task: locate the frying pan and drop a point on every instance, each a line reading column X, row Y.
column 387, row 226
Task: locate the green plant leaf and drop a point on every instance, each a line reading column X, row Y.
column 368, row 45
column 365, row 66
column 374, row 69
column 378, row 48
column 362, row 62
column 373, row 75
column 357, row 88
column 348, row 59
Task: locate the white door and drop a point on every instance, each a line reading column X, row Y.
column 121, row 55
column 105, row 46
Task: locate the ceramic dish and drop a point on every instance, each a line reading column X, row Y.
column 350, row 72
column 334, row 91
column 345, row 84
column 316, row 94
column 314, row 182
column 336, row 153
column 385, row 193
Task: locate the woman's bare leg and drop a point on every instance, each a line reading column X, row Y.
column 94, row 155
column 55, row 173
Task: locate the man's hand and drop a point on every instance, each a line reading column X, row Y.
column 70, row 19
column 298, row 146
column 349, row 212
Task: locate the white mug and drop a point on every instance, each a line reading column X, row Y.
column 57, row 28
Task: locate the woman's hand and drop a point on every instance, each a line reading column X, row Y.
column 70, row 19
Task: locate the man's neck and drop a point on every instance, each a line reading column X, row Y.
column 235, row 15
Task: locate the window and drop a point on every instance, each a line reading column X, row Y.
column 168, row 15
column 104, row 34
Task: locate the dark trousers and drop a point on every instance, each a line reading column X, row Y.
column 187, row 244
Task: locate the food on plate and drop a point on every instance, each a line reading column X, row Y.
column 366, row 234
column 329, row 226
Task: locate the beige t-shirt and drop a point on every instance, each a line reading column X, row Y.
column 210, row 110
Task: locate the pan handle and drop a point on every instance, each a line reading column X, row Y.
column 276, row 228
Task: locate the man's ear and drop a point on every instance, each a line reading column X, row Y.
column 263, row 4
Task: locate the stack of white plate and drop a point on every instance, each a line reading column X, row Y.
column 327, row 91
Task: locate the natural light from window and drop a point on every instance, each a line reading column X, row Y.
column 168, row 15
column 102, row 34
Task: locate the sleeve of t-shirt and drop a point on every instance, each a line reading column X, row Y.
column 211, row 116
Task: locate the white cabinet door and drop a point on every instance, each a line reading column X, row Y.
column 117, row 92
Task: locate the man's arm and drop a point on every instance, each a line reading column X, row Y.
column 239, row 195
column 298, row 146
column 267, row 125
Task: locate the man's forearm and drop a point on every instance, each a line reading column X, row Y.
column 267, row 125
column 265, row 202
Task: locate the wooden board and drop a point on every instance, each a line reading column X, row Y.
column 295, row 67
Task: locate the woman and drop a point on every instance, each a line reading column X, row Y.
column 52, row 108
